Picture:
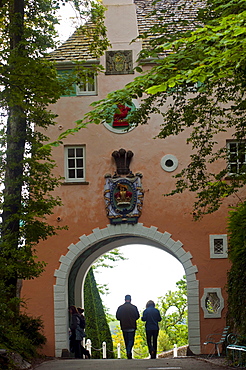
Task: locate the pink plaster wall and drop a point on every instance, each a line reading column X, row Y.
column 83, row 205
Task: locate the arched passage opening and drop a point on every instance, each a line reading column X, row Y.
column 146, row 272
column 75, row 264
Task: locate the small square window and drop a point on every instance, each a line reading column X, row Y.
column 236, row 157
column 218, row 246
column 74, row 164
column 88, row 87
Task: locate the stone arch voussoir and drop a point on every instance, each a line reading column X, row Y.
column 137, row 234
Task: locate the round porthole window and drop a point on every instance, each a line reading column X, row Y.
column 169, row 163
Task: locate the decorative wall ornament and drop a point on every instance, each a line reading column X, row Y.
column 119, row 62
column 122, row 159
column 212, row 303
column 120, row 116
column 119, row 123
column 123, row 195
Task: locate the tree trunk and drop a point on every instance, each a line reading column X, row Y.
column 16, row 138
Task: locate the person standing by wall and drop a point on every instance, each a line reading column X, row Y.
column 152, row 316
column 77, row 333
column 128, row 314
column 84, row 351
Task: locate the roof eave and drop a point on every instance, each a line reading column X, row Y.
column 69, row 64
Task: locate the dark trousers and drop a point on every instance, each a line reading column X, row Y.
column 76, row 347
column 79, row 350
column 129, row 341
column 151, row 336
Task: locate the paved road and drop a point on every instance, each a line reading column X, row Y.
column 186, row 363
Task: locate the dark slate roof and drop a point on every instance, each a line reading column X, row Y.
column 76, row 48
column 172, row 11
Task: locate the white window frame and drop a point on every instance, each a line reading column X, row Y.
column 87, row 90
column 66, row 165
column 236, row 162
column 169, row 158
column 212, row 239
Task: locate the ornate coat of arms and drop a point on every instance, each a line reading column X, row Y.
column 119, row 62
column 123, row 194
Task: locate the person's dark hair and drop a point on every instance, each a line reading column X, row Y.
column 80, row 310
column 73, row 309
column 150, row 303
column 128, row 297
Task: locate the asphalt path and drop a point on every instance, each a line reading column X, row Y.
column 185, row 363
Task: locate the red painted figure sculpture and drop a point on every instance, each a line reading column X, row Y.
column 120, row 115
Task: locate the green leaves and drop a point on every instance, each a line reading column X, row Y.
column 97, row 328
column 198, row 84
column 29, row 84
column 236, row 275
column 173, row 310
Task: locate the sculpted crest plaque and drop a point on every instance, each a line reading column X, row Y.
column 123, row 193
column 119, row 62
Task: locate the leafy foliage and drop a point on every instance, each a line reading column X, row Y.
column 26, row 165
column 140, row 349
column 107, row 260
column 173, row 309
column 236, row 275
column 97, row 328
column 29, row 83
column 164, row 343
column 117, row 338
column 22, row 334
column 199, row 87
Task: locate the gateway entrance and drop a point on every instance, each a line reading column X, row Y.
column 75, row 264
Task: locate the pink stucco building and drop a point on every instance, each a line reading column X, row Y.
column 143, row 214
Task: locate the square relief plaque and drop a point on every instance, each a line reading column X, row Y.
column 119, row 62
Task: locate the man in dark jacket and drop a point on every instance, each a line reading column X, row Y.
column 128, row 314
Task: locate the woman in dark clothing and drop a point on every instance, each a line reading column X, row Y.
column 152, row 316
column 77, row 333
column 82, row 325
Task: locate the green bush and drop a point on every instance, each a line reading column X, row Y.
column 164, row 343
column 97, row 329
column 32, row 327
column 237, row 275
column 19, row 333
column 23, row 336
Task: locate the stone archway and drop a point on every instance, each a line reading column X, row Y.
column 75, row 264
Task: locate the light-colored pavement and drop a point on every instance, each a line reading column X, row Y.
column 184, row 363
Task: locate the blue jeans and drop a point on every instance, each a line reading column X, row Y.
column 129, row 340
